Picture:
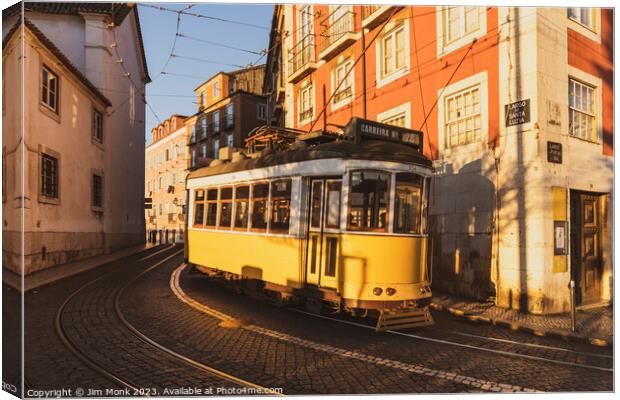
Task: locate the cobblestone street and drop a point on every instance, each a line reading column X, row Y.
column 121, row 327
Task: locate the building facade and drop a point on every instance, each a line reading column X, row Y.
column 230, row 106
column 516, row 105
column 165, row 171
column 79, row 136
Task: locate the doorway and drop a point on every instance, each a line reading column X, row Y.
column 323, row 234
column 586, row 251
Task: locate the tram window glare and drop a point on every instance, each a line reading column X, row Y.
column 225, row 208
column 407, row 204
column 199, row 208
column 368, row 201
column 211, row 207
column 242, row 205
column 260, row 196
column 332, row 217
column 281, row 205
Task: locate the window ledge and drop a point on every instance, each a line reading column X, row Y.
column 392, row 77
column 96, row 142
column 48, row 200
column 49, row 112
column 584, row 30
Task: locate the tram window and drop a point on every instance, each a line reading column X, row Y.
column 368, row 202
column 199, row 208
column 407, row 204
column 315, row 207
column 281, row 205
column 242, row 206
column 211, row 207
column 260, row 196
column 332, row 210
column 225, row 208
column 332, row 256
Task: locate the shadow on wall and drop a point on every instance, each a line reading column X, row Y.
column 461, row 228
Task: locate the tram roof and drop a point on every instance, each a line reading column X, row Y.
column 373, row 150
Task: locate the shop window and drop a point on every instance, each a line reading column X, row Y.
column 211, row 205
column 260, row 197
column 408, row 203
column 226, row 204
column 368, row 201
column 199, row 208
column 242, row 207
column 280, row 205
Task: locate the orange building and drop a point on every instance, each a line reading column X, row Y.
column 516, row 105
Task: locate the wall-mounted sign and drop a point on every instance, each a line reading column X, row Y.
column 559, row 238
column 518, row 112
column 359, row 128
column 554, row 152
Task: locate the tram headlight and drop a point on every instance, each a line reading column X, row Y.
column 377, row 291
column 390, row 291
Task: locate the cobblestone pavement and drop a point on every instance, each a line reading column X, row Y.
column 595, row 323
column 276, row 347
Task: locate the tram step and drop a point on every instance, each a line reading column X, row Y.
column 404, row 319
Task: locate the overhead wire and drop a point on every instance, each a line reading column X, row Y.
column 198, row 15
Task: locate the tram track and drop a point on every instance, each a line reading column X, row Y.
column 159, row 357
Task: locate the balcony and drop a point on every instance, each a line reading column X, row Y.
column 192, row 139
column 342, row 95
column 372, row 16
column 302, row 59
column 306, row 115
column 339, row 35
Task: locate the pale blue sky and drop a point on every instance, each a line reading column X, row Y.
column 159, row 29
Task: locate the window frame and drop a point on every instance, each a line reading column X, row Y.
column 306, row 87
column 42, row 196
column 271, row 208
column 267, row 207
column 220, row 202
column 230, row 115
column 390, row 30
column 215, row 117
column 217, row 207
column 464, row 118
column 56, row 108
column 388, row 210
column 596, row 83
column 346, row 65
column 261, row 115
column 97, row 127
column 236, row 201
column 443, row 46
column 94, row 206
column 397, row 111
column 204, row 208
column 420, row 206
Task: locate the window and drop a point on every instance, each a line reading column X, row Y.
column 582, row 111
column 242, row 207
column 398, row 116
column 463, row 117
column 216, row 121
column 97, row 191
column 229, row 140
column 229, row 115
column 161, row 182
column 458, row 26
column 226, row 205
column 216, row 148
column 408, row 204
column 332, row 208
column 201, row 101
column 174, row 179
column 199, row 208
column 306, row 103
column 49, row 176
column 280, row 205
column 262, row 112
column 393, row 54
column 203, row 127
column 342, row 75
column 204, row 150
column 49, row 89
column 167, row 157
column 260, row 196
column 211, row 207
column 97, row 127
column 584, row 16
column 192, row 138
column 193, row 157
column 368, row 202
column 216, row 90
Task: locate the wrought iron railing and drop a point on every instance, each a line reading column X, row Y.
column 342, row 94
column 301, row 55
column 368, row 10
column 336, row 29
column 306, row 114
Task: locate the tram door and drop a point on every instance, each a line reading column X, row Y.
column 323, row 237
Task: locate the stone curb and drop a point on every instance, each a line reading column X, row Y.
column 517, row 326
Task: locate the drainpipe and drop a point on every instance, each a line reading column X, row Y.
column 364, row 73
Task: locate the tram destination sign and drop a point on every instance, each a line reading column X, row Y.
column 518, row 113
column 359, row 128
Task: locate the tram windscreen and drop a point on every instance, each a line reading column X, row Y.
column 408, row 203
column 368, row 202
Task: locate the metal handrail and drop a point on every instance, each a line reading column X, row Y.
column 337, row 29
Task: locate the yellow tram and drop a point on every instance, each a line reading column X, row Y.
column 343, row 222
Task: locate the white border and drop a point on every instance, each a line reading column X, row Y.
column 393, row 112
column 595, row 82
column 443, row 49
column 389, row 28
